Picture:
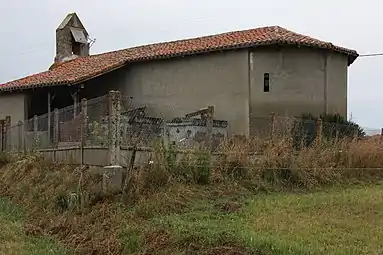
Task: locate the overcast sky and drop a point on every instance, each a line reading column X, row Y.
column 27, row 32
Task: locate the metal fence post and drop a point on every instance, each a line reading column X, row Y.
column 35, row 134
column 7, row 139
column 56, row 127
column 209, row 127
column 319, row 130
column 356, row 134
column 272, row 125
column 84, row 127
column 2, row 135
column 114, row 127
column 20, row 127
column 55, row 132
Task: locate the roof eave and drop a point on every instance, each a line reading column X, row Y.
column 352, row 58
column 90, row 77
column 32, row 86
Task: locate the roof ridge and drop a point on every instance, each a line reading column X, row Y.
column 189, row 38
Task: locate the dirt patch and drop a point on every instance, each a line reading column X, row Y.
column 32, row 230
column 157, row 242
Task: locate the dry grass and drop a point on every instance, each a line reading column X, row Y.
column 335, row 221
column 324, row 163
column 14, row 239
column 205, row 205
column 86, row 226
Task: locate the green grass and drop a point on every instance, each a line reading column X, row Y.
column 13, row 239
column 335, row 221
column 341, row 221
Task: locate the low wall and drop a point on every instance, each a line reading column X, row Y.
column 98, row 156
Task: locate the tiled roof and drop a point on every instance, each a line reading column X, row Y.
column 84, row 68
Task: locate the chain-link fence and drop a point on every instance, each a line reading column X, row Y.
column 116, row 120
column 138, row 127
column 97, row 129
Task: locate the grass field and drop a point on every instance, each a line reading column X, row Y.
column 13, row 239
column 319, row 211
column 340, row 221
column 335, row 221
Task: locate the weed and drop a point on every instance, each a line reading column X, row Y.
column 4, row 159
column 203, row 168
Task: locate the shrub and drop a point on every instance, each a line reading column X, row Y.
column 334, row 127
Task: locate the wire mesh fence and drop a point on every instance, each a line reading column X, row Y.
column 97, row 130
column 69, row 122
column 95, row 122
column 138, row 128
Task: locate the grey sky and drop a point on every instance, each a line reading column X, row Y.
column 27, row 32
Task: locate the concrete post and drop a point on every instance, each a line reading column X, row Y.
column 114, row 123
column 112, row 175
column 112, row 179
column 35, row 134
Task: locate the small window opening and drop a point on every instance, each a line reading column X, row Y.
column 266, row 82
column 76, row 48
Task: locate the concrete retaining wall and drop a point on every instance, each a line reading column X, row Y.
column 97, row 156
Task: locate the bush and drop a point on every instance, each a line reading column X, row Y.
column 334, row 126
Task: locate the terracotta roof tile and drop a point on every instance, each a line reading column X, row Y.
column 84, row 68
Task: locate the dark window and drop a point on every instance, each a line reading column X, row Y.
column 266, row 82
column 76, row 48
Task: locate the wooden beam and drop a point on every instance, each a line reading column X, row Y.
column 75, row 103
column 196, row 113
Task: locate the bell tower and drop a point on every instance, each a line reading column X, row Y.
column 72, row 39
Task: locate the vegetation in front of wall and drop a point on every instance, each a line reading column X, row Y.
column 188, row 167
column 203, row 203
column 334, row 126
column 98, row 133
column 4, row 159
